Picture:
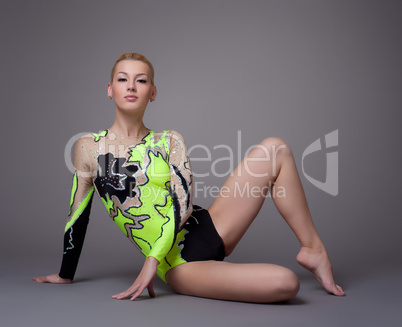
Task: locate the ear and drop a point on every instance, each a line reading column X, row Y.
column 153, row 94
column 109, row 91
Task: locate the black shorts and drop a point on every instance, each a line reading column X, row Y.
column 197, row 240
column 202, row 242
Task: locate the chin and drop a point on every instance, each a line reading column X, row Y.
column 131, row 110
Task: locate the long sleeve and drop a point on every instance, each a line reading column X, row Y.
column 181, row 185
column 80, row 207
column 181, row 178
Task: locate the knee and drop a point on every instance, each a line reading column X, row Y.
column 282, row 285
column 276, row 146
column 288, row 285
column 275, row 151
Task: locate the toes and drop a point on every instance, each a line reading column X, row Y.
column 333, row 288
column 340, row 291
column 336, row 290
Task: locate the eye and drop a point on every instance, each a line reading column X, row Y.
column 143, row 81
column 121, row 79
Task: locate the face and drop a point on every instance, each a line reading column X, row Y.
column 131, row 88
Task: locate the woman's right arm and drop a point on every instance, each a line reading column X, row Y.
column 78, row 217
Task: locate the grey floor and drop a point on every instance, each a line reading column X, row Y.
column 373, row 299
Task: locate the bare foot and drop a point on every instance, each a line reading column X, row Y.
column 318, row 263
column 53, row 279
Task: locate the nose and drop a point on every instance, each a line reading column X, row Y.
column 131, row 85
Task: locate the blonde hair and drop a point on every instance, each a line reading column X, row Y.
column 133, row 56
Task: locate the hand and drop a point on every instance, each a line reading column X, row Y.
column 144, row 280
column 53, row 279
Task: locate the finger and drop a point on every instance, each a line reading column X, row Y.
column 150, row 288
column 125, row 294
column 122, row 295
column 138, row 293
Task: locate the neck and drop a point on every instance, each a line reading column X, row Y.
column 128, row 125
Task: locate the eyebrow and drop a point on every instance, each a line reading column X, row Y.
column 135, row 75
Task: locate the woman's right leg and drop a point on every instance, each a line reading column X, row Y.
column 271, row 165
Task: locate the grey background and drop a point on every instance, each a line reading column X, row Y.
column 293, row 69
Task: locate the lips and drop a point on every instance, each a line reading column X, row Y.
column 131, row 97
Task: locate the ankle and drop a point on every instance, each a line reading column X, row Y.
column 316, row 246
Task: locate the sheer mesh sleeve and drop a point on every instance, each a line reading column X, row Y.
column 181, row 178
column 80, row 207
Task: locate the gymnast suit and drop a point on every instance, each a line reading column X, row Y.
column 146, row 187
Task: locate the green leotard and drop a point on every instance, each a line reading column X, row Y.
column 146, row 187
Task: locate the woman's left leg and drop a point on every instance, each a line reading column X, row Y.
column 258, row 283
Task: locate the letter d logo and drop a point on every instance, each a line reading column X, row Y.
column 330, row 185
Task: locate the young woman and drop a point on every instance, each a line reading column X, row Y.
column 144, row 179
